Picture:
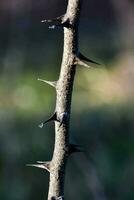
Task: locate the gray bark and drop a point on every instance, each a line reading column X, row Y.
column 64, row 89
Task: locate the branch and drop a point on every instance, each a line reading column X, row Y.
column 64, row 87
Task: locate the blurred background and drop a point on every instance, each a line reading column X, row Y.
column 102, row 105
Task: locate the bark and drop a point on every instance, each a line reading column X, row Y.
column 63, row 101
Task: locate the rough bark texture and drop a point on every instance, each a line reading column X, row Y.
column 63, row 101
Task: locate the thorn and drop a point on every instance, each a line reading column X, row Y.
column 52, row 83
column 43, row 165
column 74, row 148
column 80, row 62
column 55, row 20
column 52, row 118
column 40, row 162
column 84, row 58
column 58, row 22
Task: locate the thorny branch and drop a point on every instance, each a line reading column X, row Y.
column 64, row 86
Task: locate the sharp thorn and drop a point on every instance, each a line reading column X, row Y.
column 74, row 148
column 52, row 83
column 84, row 58
column 55, row 20
column 44, row 165
column 80, row 62
column 40, row 162
column 58, row 22
column 52, row 118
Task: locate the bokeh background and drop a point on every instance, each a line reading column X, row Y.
column 102, row 106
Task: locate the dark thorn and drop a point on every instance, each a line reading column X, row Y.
column 74, row 148
column 55, row 20
column 84, row 58
column 58, row 22
column 52, row 118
